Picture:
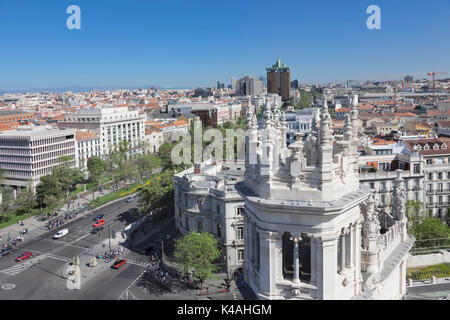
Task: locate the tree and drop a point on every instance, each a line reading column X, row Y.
column 414, row 212
column 146, row 163
column 157, row 196
column 96, row 167
column 26, row 199
column 117, row 163
column 7, row 204
column 431, row 228
column 68, row 178
column 197, row 251
column 165, row 153
column 48, row 191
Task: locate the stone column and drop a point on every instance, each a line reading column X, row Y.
column 342, row 257
column 314, row 241
column 326, row 267
column 351, row 236
column 296, row 239
column 269, row 262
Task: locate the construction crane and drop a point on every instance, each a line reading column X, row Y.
column 433, row 74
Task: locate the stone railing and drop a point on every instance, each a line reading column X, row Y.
column 390, row 240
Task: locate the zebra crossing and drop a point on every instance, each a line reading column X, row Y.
column 19, row 267
column 138, row 263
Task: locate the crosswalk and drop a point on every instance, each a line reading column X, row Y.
column 138, row 263
column 20, row 266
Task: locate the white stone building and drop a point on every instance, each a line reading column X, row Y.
column 206, row 201
column 113, row 126
column 311, row 231
column 29, row 153
column 88, row 145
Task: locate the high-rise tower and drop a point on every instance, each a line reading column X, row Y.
column 279, row 80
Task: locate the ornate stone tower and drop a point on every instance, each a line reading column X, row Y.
column 302, row 221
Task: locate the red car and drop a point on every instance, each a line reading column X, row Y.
column 119, row 263
column 24, row 256
column 99, row 223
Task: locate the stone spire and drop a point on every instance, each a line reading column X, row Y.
column 325, row 131
column 399, row 198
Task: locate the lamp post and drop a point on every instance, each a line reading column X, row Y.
column 109, row 236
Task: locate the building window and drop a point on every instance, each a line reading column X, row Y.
column 383, row 186
column 372, row 185
column 440, row 187
column 199, row 226
column 240, row 211
column 240, row 233
column 440, row 175
column 416, row 168
column 416, row 196
column 430, row 176
column 240, row 255
column 186, row 223
column 383, row 199
column 430, row 200
column 440, row 199
column 218, row 209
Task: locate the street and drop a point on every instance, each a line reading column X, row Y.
column 44, row 275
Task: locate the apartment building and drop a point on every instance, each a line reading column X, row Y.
column 206, row 201
column 425, row 165
column 88, row 145
column 113, row 125
column 29, row 153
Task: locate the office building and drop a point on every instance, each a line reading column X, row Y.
column 279, row 80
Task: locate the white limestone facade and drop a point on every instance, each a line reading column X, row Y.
column 207, row 201
column 306, row 216
column 113, row 126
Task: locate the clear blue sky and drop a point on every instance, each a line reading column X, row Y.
column 189, row 43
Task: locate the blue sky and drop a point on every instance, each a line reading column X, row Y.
column 189, row 43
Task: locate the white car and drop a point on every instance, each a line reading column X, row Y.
column 132, row 197
column 61, row 233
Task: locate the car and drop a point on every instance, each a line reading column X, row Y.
column 132, row 197
column 61, row 233
column 6, row 251
column 99, row 216
column 119, row 263
column 99, row 223
column 24, row 256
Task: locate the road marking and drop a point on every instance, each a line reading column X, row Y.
column 127, row 295
column 22, row 266
column 69, row 244
column 81, row 237
column 8, row 286
column 138, row 263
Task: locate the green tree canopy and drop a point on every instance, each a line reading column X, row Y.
column 431, row 228
column 197, row 251
column 157, row 196
column 146, row 163
column 96, row 166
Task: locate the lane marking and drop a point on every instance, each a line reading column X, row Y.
column 22, row 266
column 81, row 237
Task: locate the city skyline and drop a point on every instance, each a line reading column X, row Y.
column 188, row 45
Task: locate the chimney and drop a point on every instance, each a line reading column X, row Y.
column 197, row 168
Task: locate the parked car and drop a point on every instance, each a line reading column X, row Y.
column 119, row 263
column 61, row 233
column 99, row 223
column 99, row 216
column 6, row 251
column 132, row 197
column 24, row 256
